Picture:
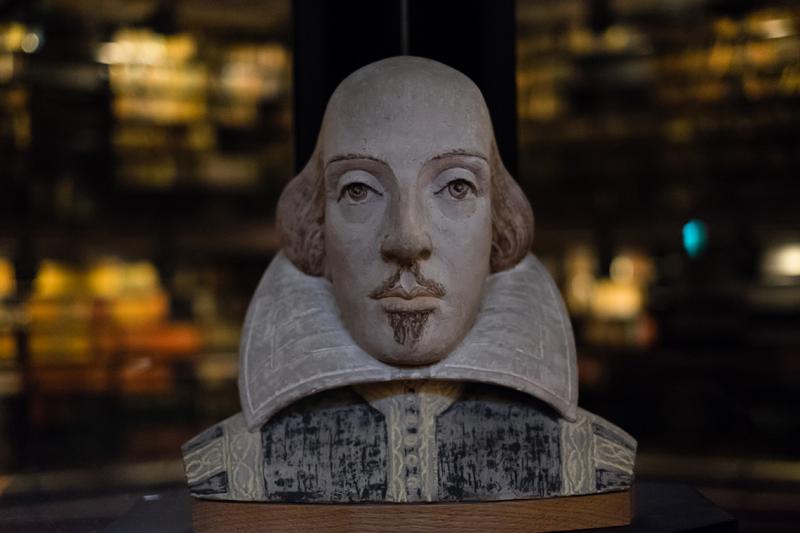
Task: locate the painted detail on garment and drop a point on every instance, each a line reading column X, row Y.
column 224, row 462
column 211, row 487
column 244, row 461
column 489, row 443
column 498, row 444
column 605, row 430
column 577, row 455
column 614, row 456
column 610, row 480
column 205, row 461
column 327, row 448
column 410, row 409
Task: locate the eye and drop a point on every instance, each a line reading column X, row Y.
column 357, row 192
column 459, row 189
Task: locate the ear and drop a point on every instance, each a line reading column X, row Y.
column 512, row 218
column 301, row 218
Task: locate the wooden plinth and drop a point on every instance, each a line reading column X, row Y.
column 551, row 514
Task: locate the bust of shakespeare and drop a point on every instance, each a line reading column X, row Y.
column 405, row 345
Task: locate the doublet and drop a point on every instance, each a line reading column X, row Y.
column 323, row 421
column 410, row 441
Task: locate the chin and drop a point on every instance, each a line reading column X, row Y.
column 406, row 335
column 422, row 352
column 412, row 357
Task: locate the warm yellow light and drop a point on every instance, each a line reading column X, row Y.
column 105, row 279
column 726, row 28
column 7, row 279
column 777, row 28
column 12, row 35
column 782, row 261
column 616, row 300
column 111, row 278
column 721, row 58
column 771, row 23
column 145, row 47
column 110, row 53
column 579, row 292
column 55, row 280
column 141, row 277
column 617, row 37
column 8, row 349
column 622, row 269
column 139, row 310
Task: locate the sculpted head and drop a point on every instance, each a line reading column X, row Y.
column 406, row 208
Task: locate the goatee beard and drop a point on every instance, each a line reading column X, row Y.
column 408, row 325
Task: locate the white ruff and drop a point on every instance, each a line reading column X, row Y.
column 294, row 344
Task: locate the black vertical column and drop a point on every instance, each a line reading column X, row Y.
column 332, row 39
column 477, row 37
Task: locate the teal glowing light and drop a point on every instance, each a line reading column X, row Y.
column 694, row 237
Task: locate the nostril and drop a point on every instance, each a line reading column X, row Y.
column 405, row 248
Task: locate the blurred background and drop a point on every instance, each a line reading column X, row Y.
column 144, row 143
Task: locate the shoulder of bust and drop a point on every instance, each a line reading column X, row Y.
column 223, row 462
column 584, row 456
column 595, row 453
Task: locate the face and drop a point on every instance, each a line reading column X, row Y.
column 408, row 214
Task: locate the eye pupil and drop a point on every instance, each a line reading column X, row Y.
column 458, row 189
column 357, row 191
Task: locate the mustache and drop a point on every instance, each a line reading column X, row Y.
column 424, row 286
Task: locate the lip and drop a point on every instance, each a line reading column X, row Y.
column 401, row 293
column 419, row 303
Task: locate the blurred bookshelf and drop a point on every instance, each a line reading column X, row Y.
column 659, row 147
column 144, row 144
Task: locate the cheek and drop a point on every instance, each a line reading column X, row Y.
column 464, row 228
column 354, row 216
column 457, row 210
column 351, row 233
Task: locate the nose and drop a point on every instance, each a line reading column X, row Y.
column 407, row 240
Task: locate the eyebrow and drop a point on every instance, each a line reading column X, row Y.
column 457, row 153
column 349, row 157
column 451, row 153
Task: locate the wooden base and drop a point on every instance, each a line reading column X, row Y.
column 550, row 514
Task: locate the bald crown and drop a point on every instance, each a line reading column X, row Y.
column 409, row 99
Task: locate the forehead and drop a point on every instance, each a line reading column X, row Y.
column 405, row 115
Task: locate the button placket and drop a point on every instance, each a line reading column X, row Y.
column 411, row 444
